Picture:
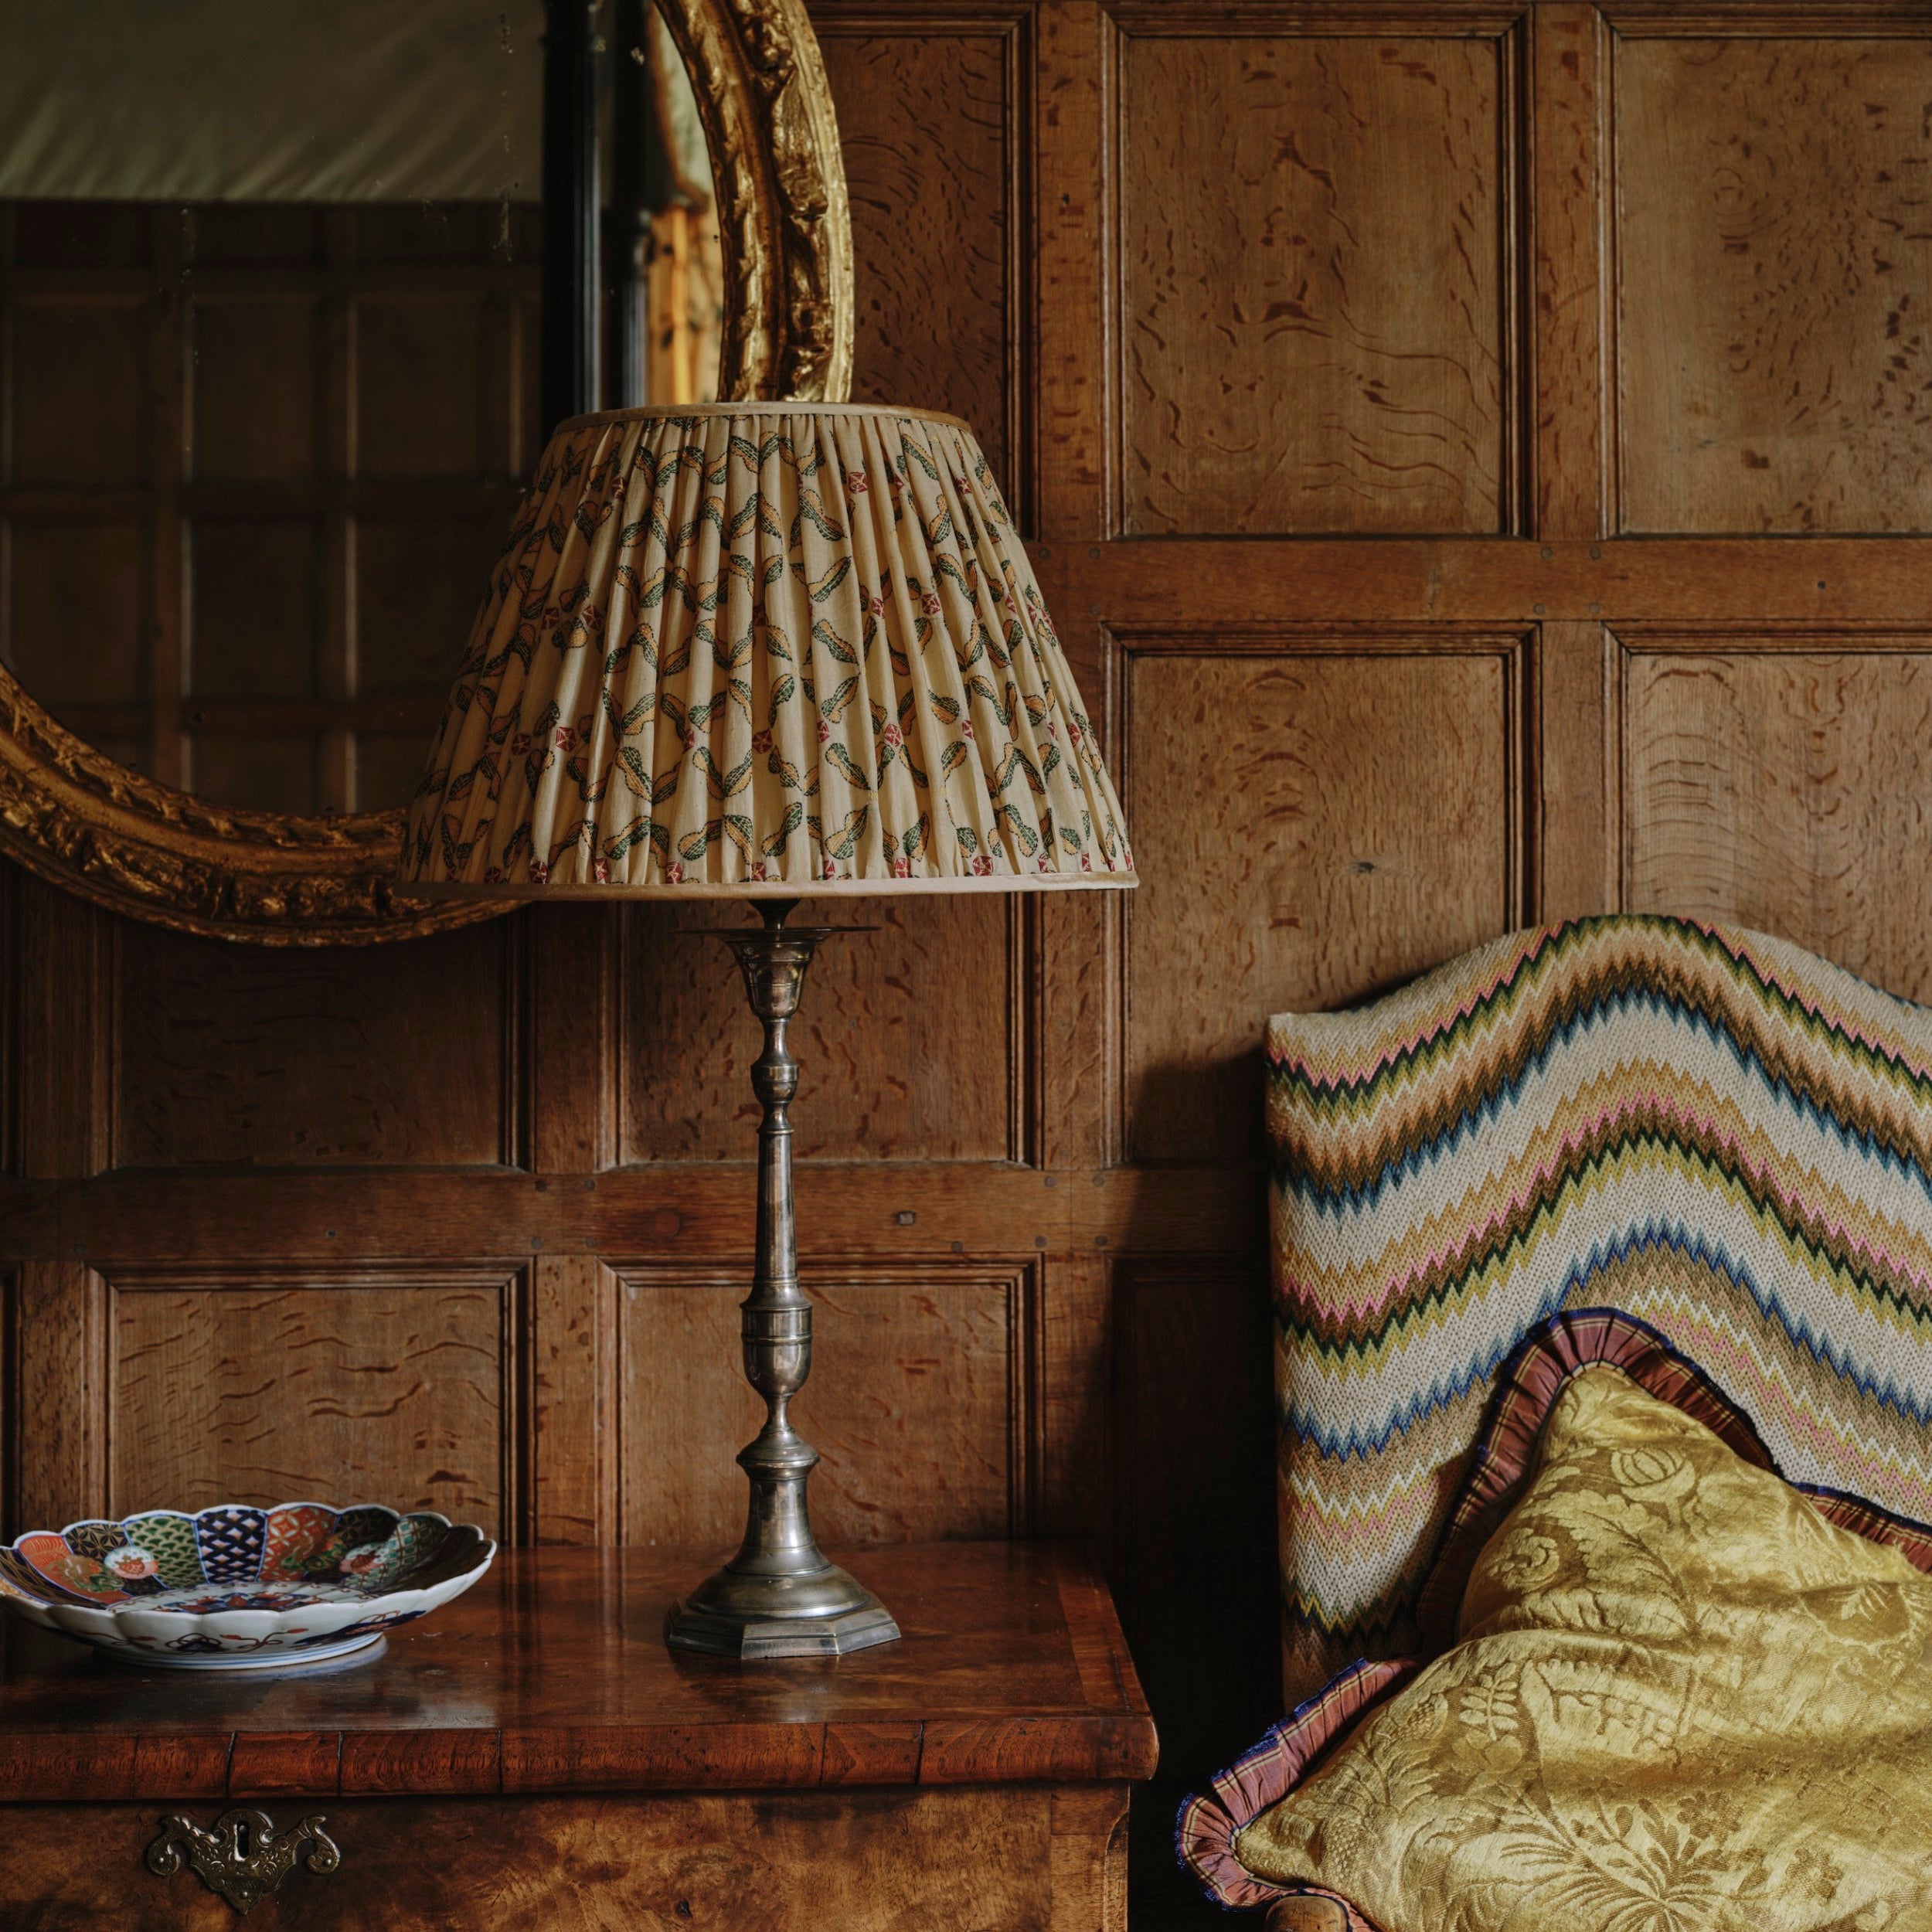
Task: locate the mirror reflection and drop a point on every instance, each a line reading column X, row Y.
column 269, row 312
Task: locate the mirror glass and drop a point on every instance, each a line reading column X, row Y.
column 270, row 319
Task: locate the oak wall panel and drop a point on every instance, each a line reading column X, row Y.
column 404, row 426
column 257, row 389
column 908, row 1037
column 936, row 207
column 248, row 579
column 1786, row 784
column 921, row 1403
column 1774, row 362
column 401, row 1056
column 70, row 580
column 77, row 392
column 1311, row 824
column 1317, row 320
column 399, row 1388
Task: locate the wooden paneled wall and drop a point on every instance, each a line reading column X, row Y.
column 1478, row 456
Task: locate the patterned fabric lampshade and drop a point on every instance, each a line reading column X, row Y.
column 764, row 650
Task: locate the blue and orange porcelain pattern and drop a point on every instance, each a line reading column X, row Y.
column 232, row 1557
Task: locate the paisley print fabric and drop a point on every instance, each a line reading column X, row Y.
column 762, row 647
column 1682, row 1701
column 1713, row 1131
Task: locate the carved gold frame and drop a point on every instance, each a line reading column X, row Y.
column 86, row 822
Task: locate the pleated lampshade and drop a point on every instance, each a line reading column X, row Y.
column 764, row 650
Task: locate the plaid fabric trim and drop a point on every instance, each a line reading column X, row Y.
column 1914, row 1540
column 1205, row 1827
column 1531, row 1382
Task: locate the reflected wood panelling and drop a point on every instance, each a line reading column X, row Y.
column 936, row 201
column 908, row 1036
column 1785, row 785
column 79, row 402
column 402, row 1389
column 1318, row 318
column 256, row 386
column 391, row 1055
column 1311, row 825
column 921, row 1402
column 1774, row 366
column 225, row 422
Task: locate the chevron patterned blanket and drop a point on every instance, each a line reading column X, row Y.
column 1714, row 1131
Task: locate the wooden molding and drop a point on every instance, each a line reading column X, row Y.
column 1768, row 19
column 1225, row 19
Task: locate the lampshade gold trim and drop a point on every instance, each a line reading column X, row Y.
column 681, row 412
column 781, row 889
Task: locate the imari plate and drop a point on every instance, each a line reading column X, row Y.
column 239, row 1588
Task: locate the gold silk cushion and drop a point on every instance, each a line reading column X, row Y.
column 1682, row 1701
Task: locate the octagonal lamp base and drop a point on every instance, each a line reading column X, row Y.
column 869, row 1623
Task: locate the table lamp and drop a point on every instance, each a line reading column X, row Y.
column 765, row 651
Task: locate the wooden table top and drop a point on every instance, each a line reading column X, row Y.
column 551, row 1675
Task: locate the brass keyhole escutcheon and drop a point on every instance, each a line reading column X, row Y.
column 242, row 1855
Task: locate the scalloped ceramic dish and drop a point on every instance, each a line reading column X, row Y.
column 239, row 1588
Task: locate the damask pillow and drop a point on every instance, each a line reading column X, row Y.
column 1678, row 1695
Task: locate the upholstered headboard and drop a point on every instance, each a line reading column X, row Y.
column 1707, row 1128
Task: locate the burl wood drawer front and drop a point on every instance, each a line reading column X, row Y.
column 987, row 1858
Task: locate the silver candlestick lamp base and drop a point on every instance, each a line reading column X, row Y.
column 779, row 1597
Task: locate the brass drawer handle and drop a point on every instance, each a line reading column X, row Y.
column 242, row 1855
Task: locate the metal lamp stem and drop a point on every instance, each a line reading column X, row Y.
column 779, row 1597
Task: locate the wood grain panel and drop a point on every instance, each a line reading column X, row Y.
column 73, row 581
column 407, row 426
column 59, row 1451
column 908, row 1036
column 256, row 388
column 920, row 1402
column 416, row 585
column 1311, row 825
column 394, row 1054
column 401, row 1389
column 934, row 197
column 1774, row 367
column 1570, row 163
column 255, row 605
column 78, row 371
column 1317, row 323
column 1786, row 788
column 270, row 770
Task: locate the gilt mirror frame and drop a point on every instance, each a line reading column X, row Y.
column 87, row 823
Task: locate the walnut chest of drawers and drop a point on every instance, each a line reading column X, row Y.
column 532, row 1756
